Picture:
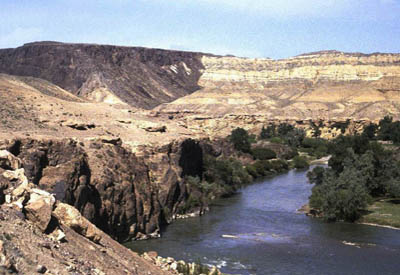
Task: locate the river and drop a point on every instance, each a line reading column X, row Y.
column 264, row 234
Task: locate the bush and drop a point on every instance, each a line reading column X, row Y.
column 320, row 151
column 313, row 142
column 279, row 165
column 251, row 170
column 342, row 125
column 316, row 175
column 262, row 167
column 300, row 162
column 291, row 153
column 294, row 137
column 241, row 140
column 263, row 153
column 370, row 130
column 225, row 172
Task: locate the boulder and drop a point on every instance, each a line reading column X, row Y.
column 69, row 216
column 39, row 208
column 18, row 175
column 8, row 161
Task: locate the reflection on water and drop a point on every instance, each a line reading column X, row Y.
column 258, row 231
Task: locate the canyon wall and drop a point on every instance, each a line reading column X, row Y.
column 125, row 195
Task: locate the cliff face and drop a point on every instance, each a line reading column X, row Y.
column 329, row 86
column 140, row 77
column 39, row 233
column 125, row 195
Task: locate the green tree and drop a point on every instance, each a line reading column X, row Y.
column 370, row 130
column 316, row 175
column 241, row 140
column 294, row 138
column 268, row 132
column 341, row 198
column 284, row 129
column 385, row 128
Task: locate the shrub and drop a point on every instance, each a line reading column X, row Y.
column 251, row 170
column 263, row 153
column 294, row 137
column 341, row 125
column 225, row 172
column 262, row 167
column 316, row 175
column 291, row 153
column 320, row 151
column 279, row 165
column 370, row 130
column 300, row 162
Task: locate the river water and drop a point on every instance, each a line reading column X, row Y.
column 258, row 231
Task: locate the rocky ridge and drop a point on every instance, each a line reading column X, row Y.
column 137, row 76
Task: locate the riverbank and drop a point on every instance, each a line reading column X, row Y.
column 380, row 214
column 383, row 213
column 270, row 237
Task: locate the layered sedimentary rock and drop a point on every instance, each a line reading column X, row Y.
column 330, row 86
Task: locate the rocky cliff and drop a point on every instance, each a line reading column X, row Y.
column 140, row 77
column 329, row 86
column 125, row 195
column 41, row 235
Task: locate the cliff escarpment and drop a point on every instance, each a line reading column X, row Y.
column 140, row 77
column 328, row 86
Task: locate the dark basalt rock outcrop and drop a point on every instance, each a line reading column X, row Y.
column 138, row 76
column 125, row 195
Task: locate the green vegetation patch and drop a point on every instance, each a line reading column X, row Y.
column 383, row 212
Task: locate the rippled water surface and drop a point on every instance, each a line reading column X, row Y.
column 258, row 231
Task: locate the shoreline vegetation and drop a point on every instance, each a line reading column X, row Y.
column 362, row 168
column 362, row 181
column 246, row 158
column 277, row 149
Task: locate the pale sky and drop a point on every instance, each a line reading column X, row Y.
column 251, row 28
